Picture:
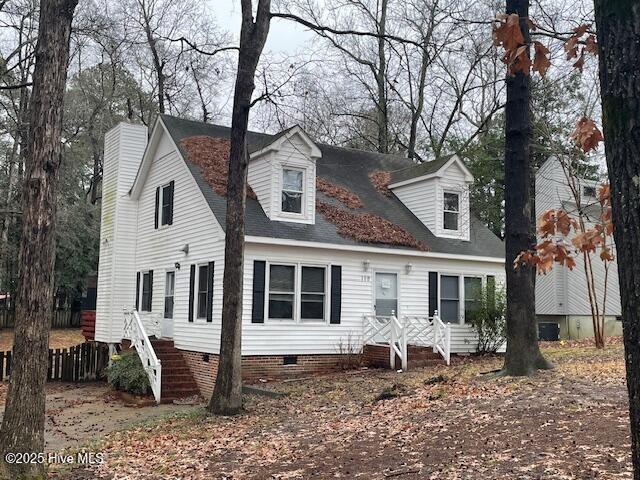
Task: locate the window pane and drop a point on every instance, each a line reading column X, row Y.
column 292, row 180
column 166, row 202
column 281, row 278
column 146, row 287
column 451, row 202
column 168, row 307
column 313, row 279
column 449, row 310
column 169, row 284
column 291, row 202
column 202, row 304
column 281, row 306
column 312, row 307
column 202, row 278
column 449, row 288
column 472, row 288
column 450, row 221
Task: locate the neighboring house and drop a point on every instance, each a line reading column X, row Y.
column 332, row 236
column 562, row 297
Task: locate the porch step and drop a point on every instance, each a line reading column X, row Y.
column 177, row 379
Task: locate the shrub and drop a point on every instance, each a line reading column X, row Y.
column 127, row 373
column 489, row 320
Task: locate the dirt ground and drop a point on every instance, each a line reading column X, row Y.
column 58, row 338
column 79, row 414
column 447, row 423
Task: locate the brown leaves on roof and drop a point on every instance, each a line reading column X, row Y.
column 347, row 198
column 368, row 228
column 212, row 156
column 381, row 179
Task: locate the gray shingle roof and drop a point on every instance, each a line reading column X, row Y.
column 341, row 166
column 415, row 171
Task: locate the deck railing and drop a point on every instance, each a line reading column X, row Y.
column 134, row 330
column 398, row 333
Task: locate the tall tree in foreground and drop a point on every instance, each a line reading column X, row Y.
column 523, row 354
column 619, row 40
column 227, row 394
column 24, row 417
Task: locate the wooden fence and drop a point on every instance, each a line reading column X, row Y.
column 65, row 318
column 83, row 362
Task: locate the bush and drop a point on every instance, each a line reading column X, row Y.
column 489, row 320
column 127, row 373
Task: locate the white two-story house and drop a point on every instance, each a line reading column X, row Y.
column 334, row 236
column 562, row 298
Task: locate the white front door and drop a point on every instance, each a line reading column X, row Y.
column 386, row 293
column 167, row 317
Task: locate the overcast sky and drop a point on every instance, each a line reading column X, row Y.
column 284, row 36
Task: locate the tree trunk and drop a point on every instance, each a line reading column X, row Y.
column 381, row 80
column 24, row 417
column 227, row 394
column 619, row 43
column 523, row 355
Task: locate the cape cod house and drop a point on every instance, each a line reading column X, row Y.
column 344, row 248
column 562, row 299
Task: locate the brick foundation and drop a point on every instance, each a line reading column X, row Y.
column 269, row 367
column 376, row 356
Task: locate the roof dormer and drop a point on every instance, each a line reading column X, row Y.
column 437, row 193
column 282, row 173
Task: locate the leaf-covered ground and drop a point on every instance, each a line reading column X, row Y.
column 58, row 338
column 569, row 423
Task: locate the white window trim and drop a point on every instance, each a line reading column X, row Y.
column 160, row 200
column 458, row 213
column 297, row 294
column 303, row 205
column 164, row 297
column 196, row 292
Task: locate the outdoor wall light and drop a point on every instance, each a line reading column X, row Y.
column 177, row 265
column 185, row 249
column 408, row 267
column 365, row 265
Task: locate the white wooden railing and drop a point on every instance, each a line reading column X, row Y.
column 397, row 333
column 135, row 331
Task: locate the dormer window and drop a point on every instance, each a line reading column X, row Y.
column 451, row 211
column 292, row 190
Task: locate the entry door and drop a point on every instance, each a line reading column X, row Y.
column 386, row 293
column 169, row 291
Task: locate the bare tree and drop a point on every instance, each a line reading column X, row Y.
column 24, row 417
column 227, row 394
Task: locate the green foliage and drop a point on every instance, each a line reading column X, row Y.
column 127, row 373
column 489, row 320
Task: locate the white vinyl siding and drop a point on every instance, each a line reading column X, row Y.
column 563, row 291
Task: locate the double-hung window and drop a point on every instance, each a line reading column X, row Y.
column 164, row 205
column 450, row 298
column 297, row 292
column 169, row 289
column 146, row 292
column 292, row 190
column 282, row 291
column 451, row 213
column 472, row 297
column 312, row 294
column 203, row 276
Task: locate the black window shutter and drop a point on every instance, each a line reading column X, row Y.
column 210, row 293
column 336, row 294
column 433, row 292
column 150, row 290
column 192, row 281
column 171, row 187
column 157, row 209
column 138, row 291
column 257, row 307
